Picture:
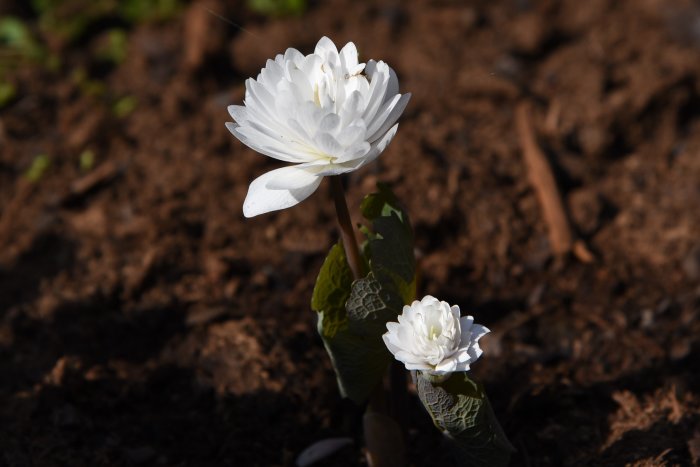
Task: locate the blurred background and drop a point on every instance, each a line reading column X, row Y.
column 144, row 321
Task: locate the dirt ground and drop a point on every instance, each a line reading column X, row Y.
column 144, row 321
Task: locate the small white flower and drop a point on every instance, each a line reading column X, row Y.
column 430, row 336
column 324, row 112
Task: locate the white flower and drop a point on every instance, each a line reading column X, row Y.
column 431, row 336
column 324, row 112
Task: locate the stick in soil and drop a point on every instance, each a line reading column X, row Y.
column 545, row 186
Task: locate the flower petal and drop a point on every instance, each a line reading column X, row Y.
column 291, row 178
column 326, row 47
column 387, row 116
column 239, row 113
column 265, row 145
column 348, row 57
column 378, row 147
column 260, row 199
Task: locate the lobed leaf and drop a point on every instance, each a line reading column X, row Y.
column 353, row 315
column 460, row 409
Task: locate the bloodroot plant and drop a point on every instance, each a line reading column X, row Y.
column 327, row 114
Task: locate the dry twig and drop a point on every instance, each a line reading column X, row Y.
column 545, row 186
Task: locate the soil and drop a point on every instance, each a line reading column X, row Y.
column 144, row 321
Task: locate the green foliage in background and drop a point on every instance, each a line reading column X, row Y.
column 17, row 46
column 137, row 11
column 124, row 106
column 68, row 20
column 8, row 91
column 16, row 37
column 38, row 168
column 278, row 7
column 87, row 160
column 114, row 49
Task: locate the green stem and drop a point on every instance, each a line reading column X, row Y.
column 383, row 436
column 347, row 233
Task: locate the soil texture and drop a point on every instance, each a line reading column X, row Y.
column 144, row 321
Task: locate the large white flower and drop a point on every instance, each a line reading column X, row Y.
column 324, row 112
column 431, row 336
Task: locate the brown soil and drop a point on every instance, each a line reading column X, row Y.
column 144, row 321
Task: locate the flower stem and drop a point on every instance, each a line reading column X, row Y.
column 383, row 436
column 352, row 252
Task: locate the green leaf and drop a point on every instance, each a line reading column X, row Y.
column 353, row 315
column 357, row 359
column 331, row 291
column 358, row 362
column 390, row 246
column 372, row 303
column 460, row 409
column 381, row 203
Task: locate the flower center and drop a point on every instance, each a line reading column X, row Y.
column 434, row 332
column 317, row 98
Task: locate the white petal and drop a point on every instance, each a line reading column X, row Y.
column 291, row 178
column 355, row 152
column 471, row 332
column 239, row 113
column 407, row 356
column 392, row 85
column 264, row 144
column 351, row 108
column 448, row 365
column 429, row 300
column 293, row 55
column 327, row 170
column 325, row 47
column 387, row 116
column 466, row 322
column 417, row 366
column 379, row 76
column 327, row 144
column 474, row 353
column 261, row 199
column 390, row 343
column 462, row 356
column 455, row 311
column 479, row 331
column 379, row 146
column 329, row 124
column 352, row 135
column 348, row 57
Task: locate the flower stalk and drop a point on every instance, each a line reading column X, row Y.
column 384, row 437
column 352, row 251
